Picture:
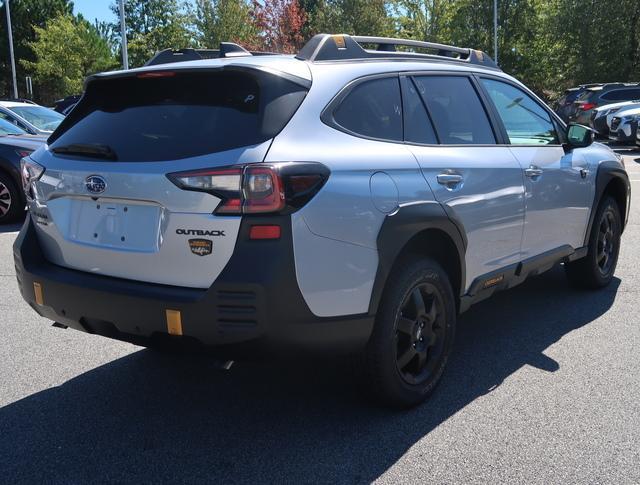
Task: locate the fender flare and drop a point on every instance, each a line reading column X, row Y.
column 608, row 171
column 400, row 227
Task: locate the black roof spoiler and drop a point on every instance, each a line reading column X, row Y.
column 328, row 47
column 226, row 50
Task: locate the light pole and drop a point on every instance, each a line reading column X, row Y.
column 495, row 31
column 123, row 36
column 13, row 60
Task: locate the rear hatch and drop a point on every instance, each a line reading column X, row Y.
column 105, row 203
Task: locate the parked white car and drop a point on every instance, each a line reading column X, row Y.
column 31, row 117
column 624, row 123
column 601, row 116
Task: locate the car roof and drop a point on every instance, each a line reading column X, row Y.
column 14, row 104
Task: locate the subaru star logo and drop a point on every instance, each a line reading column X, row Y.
column 95, row 184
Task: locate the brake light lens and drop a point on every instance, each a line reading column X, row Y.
column 257, row 188
column 587, row 106
column 30, row 171
column 21, row 152
column 155, row 74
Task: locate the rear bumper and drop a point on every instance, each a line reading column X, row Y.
column 255, row 305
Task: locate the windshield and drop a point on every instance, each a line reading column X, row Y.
column 42, row 118
column 7, row 128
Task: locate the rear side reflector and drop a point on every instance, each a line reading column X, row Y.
column 37, row 291
column 264, row 232
column 174, row 322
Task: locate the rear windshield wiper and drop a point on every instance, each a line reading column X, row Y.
column 104, row 152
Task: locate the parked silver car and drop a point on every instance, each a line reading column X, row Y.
column 353, row 198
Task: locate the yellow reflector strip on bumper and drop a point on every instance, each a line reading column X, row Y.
column 37, row 290
column 174, row 322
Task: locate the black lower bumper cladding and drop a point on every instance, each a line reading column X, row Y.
column 254, row 305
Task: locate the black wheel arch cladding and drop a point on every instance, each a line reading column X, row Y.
column 403, row 226
column 611, row 179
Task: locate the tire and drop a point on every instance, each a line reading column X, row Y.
column 413, row 334
column 596, row 269
column 11, row 202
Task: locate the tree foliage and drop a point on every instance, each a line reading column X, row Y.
column 155, row 25
column 26, row 15
column 548, row 44
column 279, row 23
column 223, row 21
column 59, row 68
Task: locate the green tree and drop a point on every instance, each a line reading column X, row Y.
column 155, row 25
column 356, row 17
column 223, row 20
column 25, row 16
column 60, row 67
column 423, row 19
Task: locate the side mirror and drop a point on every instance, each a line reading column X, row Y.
column 579, row 136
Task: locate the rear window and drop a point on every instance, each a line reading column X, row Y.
column 180, row 115
column 622, row 95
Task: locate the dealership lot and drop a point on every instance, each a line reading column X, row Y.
column 544, row 387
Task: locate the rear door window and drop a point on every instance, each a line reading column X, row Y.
column 622, row 95
column 456, row 110
column 372, row 109
column 417, row 125
column 179, row 114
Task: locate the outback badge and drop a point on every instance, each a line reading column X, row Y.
column 201, row 247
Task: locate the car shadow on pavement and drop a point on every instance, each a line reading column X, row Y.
column 151, row 418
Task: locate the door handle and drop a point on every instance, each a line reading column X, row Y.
column 584, row 173
column 449, row 180
column 533, row 172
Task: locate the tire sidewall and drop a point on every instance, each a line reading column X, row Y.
column 383, row 341
column 607, row 203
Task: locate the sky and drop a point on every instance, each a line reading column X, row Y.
column 94, row 9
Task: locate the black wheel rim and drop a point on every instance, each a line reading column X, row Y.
column 5, row 200
column 420, row 333
column 607, row 242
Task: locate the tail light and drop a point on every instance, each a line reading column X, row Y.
column 587, row 106
column 30, row 171
column 258, row 188
column 22, row 152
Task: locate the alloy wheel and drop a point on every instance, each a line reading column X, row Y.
column 605, row 254
column 420, row 333
column 5, row 200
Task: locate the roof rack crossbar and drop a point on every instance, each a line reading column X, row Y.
column 360, row 39
column 226, row 50
column 327, row 47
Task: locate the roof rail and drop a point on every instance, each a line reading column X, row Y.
column 327, row 47
column 226, row 50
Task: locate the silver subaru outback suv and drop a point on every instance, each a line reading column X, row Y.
column 354, row 198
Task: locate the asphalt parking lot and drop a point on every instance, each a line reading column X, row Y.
column 543, row 387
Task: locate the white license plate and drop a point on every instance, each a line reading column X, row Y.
column 133, row 226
